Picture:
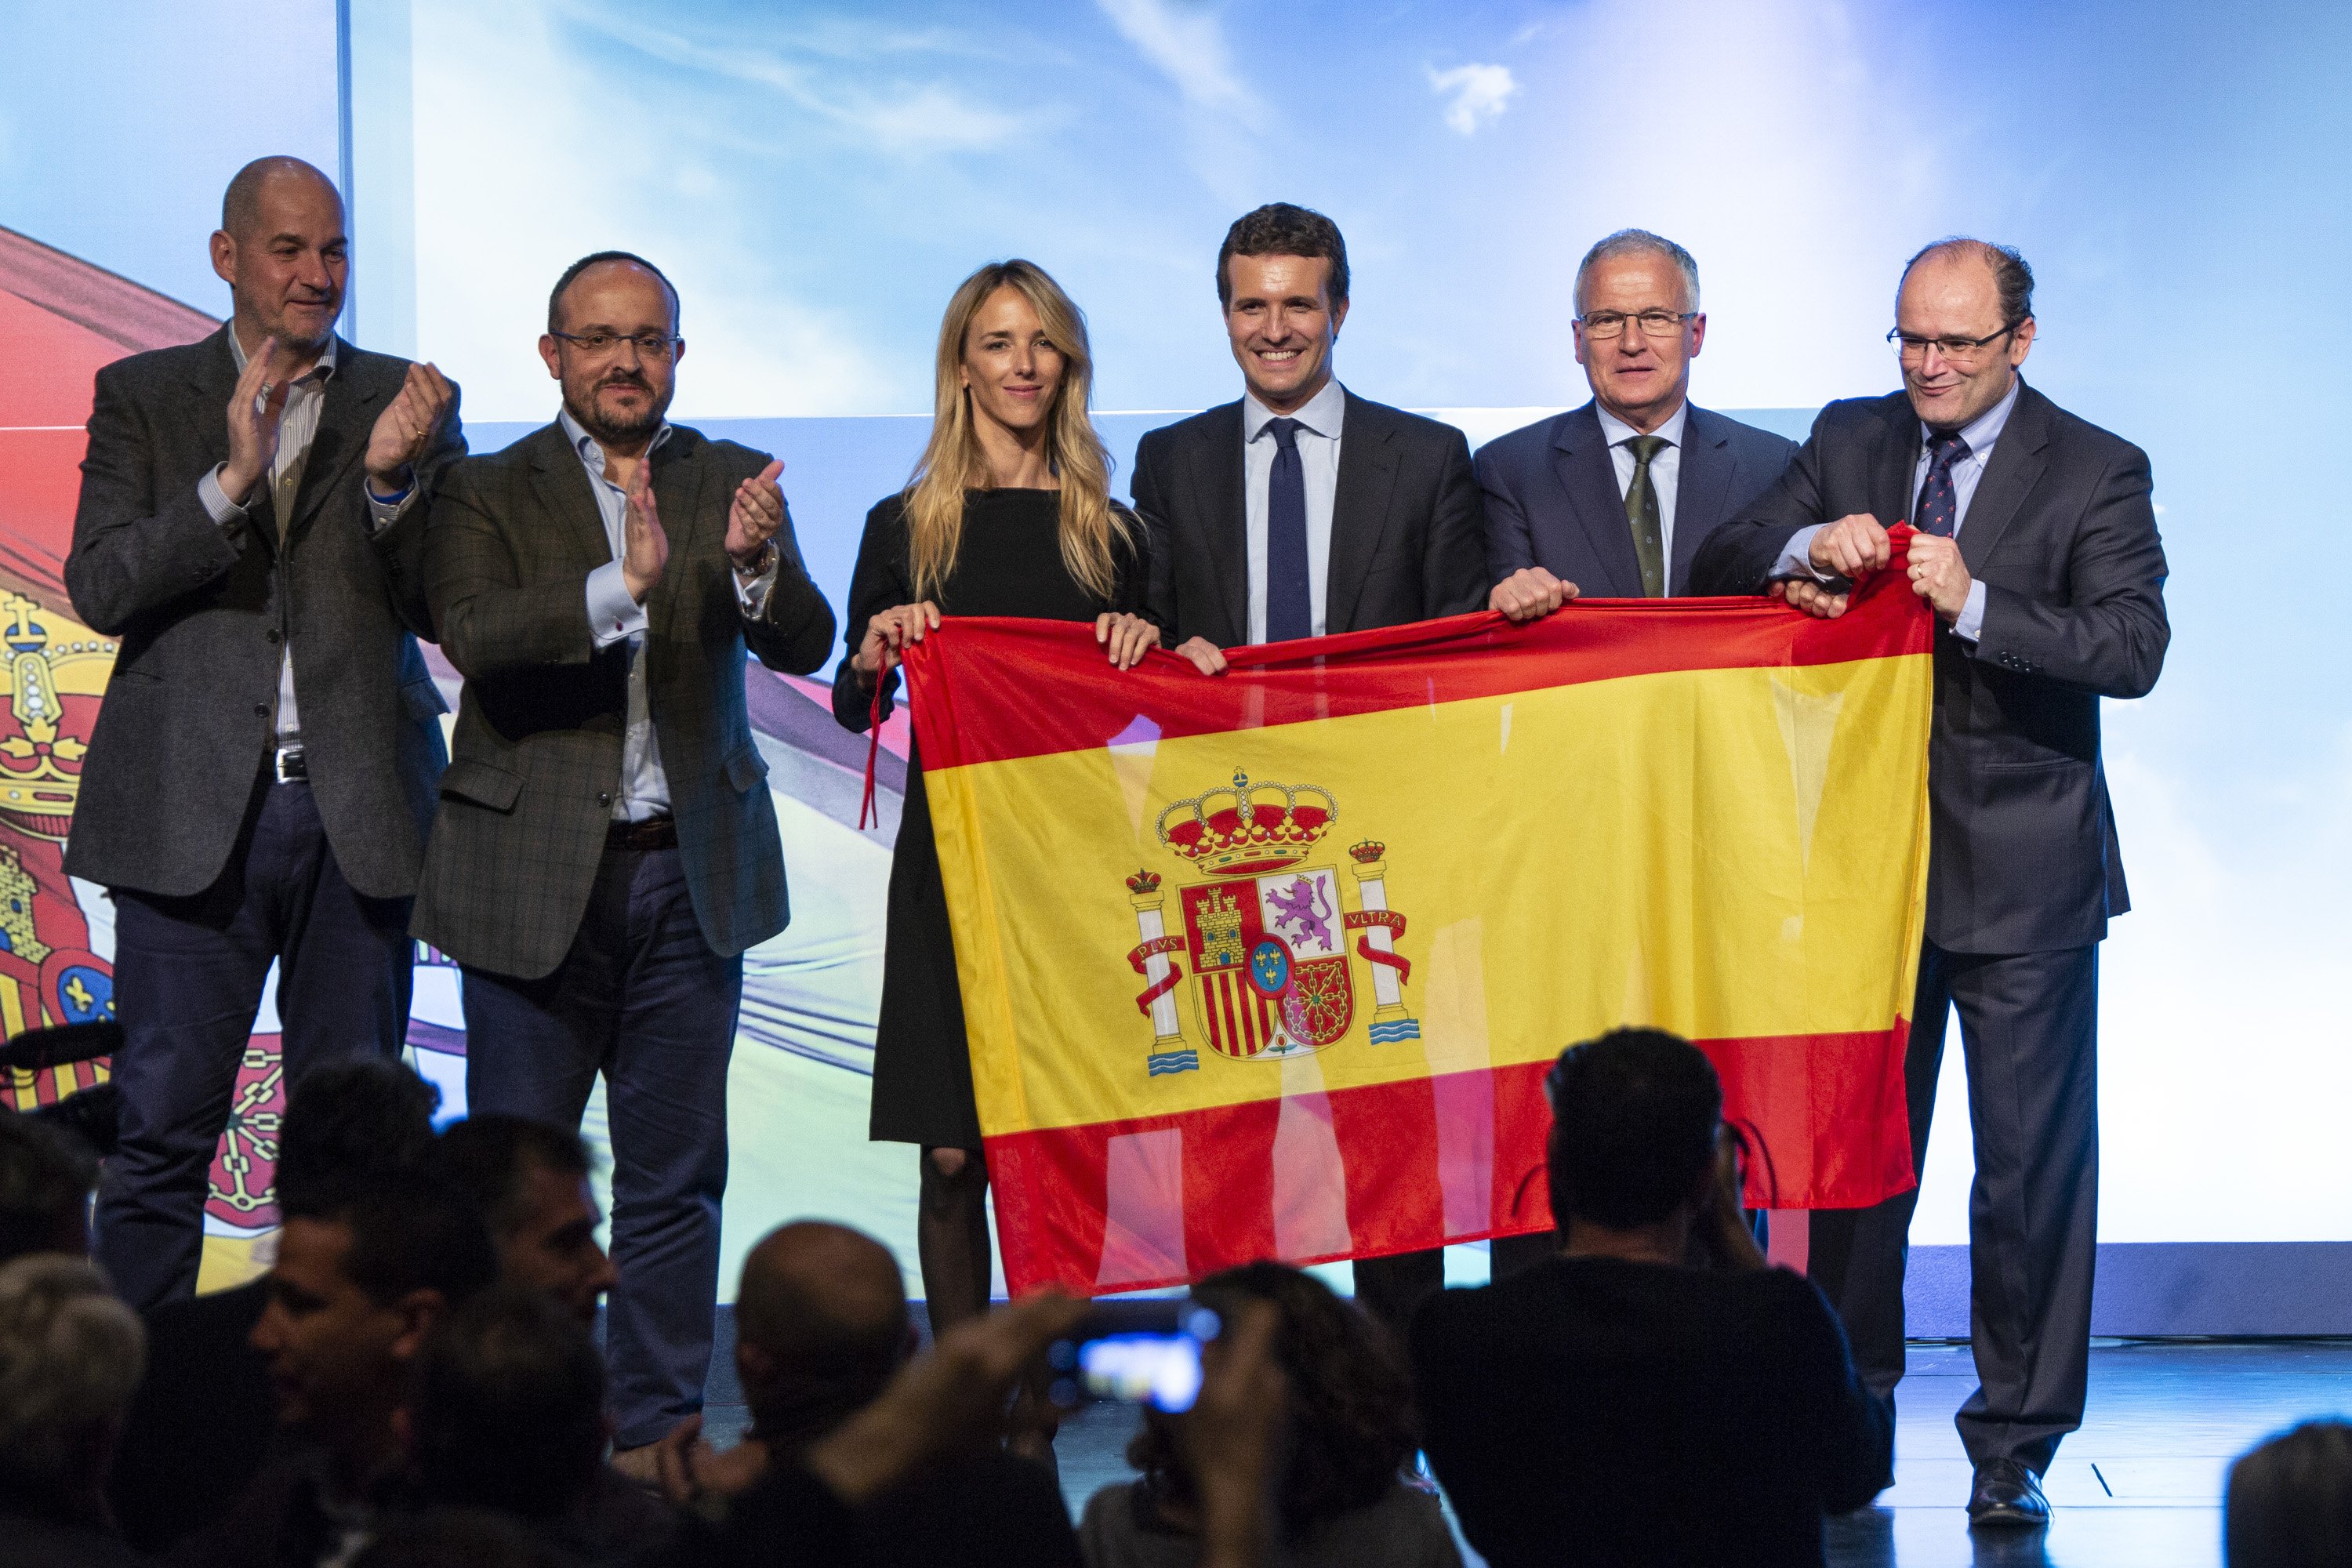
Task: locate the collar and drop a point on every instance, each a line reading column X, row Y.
column 590, row 451
column 1323, row 412
column 1982, row 431
column 1615, row 432
column 324, row 369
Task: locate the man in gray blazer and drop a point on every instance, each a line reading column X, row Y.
column 606, row 848
column 261, row 779
column 2038, row 548
column 1611, row 500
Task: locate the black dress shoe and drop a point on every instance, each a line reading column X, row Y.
column 2007, row 1494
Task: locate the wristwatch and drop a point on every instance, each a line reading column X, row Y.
column 760, row 563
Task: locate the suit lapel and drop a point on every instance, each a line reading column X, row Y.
column 1361, row 505
column 1699, row 490
column 561, row 486
column 355, row 394
column 212, row 378
column 677, row 493
column 1215, row 468
column 1580, row 457
column 2017, row 463
column 1896, row 462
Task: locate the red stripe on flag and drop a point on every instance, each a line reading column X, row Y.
column 1399, row 667
column 1823, row 1114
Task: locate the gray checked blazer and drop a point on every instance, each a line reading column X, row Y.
column 528, row 797
column 202, row 614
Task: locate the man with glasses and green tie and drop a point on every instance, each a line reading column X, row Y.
column 2037, row 548
column 606, row 848
column 1611, row 500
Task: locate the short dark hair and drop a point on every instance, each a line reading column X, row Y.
column 2012, row 278
column 555, row 295
column 46, row 1176
column 2289, row 1500
column 509, row 1406
column 1352, row 1421
column 347, row 1124
column 1633, row 1119
column 490, row 1158
column 414, row 1231
column 1279, row 228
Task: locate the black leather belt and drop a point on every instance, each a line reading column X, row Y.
column 660, row 833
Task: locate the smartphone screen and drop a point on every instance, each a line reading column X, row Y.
column 1139, row 1352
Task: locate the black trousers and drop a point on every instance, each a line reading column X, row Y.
column 188, row 976
column 2029, row 1028
column 642, row 999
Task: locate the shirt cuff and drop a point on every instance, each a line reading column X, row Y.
column 1797, row 558
column 752, row 593
column 1971, row 624
column 383, row 514
column 217, row 505
column 612, row 614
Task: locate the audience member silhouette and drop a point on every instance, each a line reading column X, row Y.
column 46, row 1177
column 69, row 1356
column 530, row 1181
column 2289, row 1500
column 1338, row 1498
column 1616, row 1405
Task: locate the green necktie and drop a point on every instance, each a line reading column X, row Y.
column 1641, row 516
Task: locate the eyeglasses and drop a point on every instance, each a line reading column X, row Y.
column 1654, row 323
column 1959, row 351
column 652, row 346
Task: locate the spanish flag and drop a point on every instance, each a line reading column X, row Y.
column 1274, row 963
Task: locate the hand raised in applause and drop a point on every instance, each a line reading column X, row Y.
column 404, row 431
column 255, row 409
column 1529, row 593
column 887, row 636
column 645, row 548
column 1126, row 638
column 753, row 519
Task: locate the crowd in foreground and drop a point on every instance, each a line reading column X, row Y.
column 415, row 1383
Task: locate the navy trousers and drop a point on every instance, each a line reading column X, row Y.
column 188, row 976
column 642, row 999
column 2029, row 1027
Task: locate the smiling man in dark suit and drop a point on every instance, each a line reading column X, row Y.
column 1612, row 500
column 2038, row 548
column 1304, row 510
column 260, row 781
column 606, row 848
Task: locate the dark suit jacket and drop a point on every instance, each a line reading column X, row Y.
column 203, row 613
column 1408, row 532
column 529, row 794
column 1552, row 499
column 1597, row 1411
column 202, row 1423
column 2061, row 533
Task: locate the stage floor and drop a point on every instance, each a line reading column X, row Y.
column 2139, row 1487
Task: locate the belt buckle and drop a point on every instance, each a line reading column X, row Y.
column 289, row 766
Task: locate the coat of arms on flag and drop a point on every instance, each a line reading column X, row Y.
column 1266, row 935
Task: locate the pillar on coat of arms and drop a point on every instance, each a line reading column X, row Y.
column 1391, row 1023
column 1169, row 1052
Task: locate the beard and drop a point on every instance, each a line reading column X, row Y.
column 619, row 429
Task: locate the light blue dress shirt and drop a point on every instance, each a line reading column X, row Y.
column 1980, row 434
column 613, row 617
column 1319, row 457
column 1665, row 468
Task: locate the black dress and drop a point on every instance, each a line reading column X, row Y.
column 1008, row 562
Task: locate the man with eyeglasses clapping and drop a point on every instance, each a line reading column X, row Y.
column 606, row 848
column 2037, row 547
column 1611, row 500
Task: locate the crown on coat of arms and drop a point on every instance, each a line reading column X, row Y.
column 1249, row 827
column 40, row 756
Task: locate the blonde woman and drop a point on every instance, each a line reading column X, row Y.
column 1009, row 513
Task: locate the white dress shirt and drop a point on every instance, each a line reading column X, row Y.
column 1318, row 457
column 1980, row 434
column 298, row 427
column 613, row 617
column 1665, row 468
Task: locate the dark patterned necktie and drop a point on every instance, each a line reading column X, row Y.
column 1939, row 500
column 1289, row 598
column 1641, row 516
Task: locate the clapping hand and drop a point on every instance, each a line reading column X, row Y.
column 645, row 548
column 752, row 520
column 404, row 431
column 255, row 409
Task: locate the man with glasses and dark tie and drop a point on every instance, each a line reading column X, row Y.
column 1304, row 510
column 2037, row 548
column 1612, row 500
column 606, row 848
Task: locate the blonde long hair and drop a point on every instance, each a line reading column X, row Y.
column 953, row 461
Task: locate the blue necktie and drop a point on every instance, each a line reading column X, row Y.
column 1289, row 593
column 1940, row 501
